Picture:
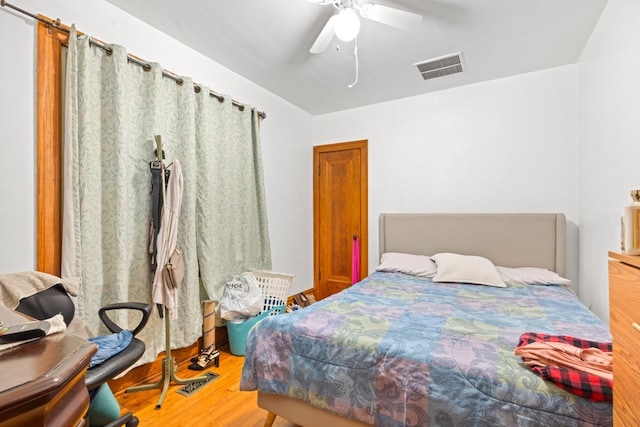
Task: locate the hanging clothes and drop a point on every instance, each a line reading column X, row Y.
column 355, row 260
column 157, row 171
column 163, row 293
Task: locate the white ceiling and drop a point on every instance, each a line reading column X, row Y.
column 268, row 41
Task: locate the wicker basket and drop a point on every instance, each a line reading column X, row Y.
column 275, row 288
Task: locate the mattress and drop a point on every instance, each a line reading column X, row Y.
column 400, row 350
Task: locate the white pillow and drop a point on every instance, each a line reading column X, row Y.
column 455, row 268
column 531, row 276
column 417, row 265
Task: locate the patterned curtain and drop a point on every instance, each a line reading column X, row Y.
column 113, row 110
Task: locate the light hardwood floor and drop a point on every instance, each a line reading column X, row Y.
column 219, row 403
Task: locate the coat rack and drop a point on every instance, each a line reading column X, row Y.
column 168, row 363
column 168, row 368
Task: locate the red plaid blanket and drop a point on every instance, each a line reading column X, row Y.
column 591, row 386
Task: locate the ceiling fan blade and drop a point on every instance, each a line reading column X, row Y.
column 324, row 38
column 390, row 16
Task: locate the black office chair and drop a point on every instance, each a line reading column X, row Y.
column 48, row 303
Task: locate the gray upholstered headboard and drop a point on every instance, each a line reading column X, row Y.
column 509, row 240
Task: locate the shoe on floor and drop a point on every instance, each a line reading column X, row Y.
column 206, row 356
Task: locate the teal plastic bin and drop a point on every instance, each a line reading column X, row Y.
column 238, row 331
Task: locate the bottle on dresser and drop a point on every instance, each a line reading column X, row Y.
column 631, row 243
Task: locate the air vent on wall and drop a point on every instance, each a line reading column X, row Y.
column 442, row 66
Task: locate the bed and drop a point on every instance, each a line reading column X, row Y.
column 397, row 349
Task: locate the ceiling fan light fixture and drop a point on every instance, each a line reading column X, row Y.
column 347, row 24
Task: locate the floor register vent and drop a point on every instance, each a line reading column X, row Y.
column 441, row 66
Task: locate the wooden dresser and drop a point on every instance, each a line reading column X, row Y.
column 624, row 310
column 42, row 382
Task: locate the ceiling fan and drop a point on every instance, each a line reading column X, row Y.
column 345, row 24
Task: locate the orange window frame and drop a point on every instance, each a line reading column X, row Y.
column 50, row 43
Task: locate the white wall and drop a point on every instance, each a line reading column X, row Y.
column 17, row 161
column 286, row 133
column 609, row 141
column 507, row 145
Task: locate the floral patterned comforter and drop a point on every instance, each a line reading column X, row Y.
column 399, row 350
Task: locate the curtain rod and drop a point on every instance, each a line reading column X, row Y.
column 130, row 57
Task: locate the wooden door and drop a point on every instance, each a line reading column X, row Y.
column 340, row 213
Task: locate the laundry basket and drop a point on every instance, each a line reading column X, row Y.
column 238, row 330
column 275, row 291
column 275, row 287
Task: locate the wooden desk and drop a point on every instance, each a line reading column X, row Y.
column 42, row 382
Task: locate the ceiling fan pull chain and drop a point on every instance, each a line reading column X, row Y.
column 355, row 53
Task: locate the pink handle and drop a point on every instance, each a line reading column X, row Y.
column 355, row 260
